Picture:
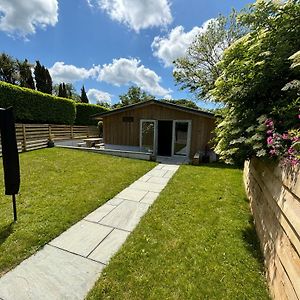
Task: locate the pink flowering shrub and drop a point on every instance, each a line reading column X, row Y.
column 285, row 146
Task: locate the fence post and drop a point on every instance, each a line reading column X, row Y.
column 24, row 148
column 72, row 133
column 88, row 131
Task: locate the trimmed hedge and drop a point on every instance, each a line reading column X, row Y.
column 84, row 112
column 31, row 106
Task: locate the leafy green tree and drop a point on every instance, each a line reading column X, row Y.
column 67, row 90
column 182, row 102
column 198, row 69
column 8, row 69
column 259, row 79
column 42, row 78
column 84, row 98
column 25, row 74
column 104, row 104
column 48, row 81
column 62, row 92
column 133, row 95
column 39, row 76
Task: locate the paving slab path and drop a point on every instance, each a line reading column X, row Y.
column 68, row 266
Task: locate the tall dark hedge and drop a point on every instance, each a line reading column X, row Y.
column 35, row 107
column 84, row 112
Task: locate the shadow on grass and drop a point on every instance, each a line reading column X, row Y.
column 219, row 165
column 251, row 241
column 5, row 232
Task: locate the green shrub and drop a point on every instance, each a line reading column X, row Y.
column 31, row 106
column 84, row 112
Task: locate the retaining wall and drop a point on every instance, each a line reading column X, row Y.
column 274, row 194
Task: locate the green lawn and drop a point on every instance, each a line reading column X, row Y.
column 196, row 242
column 58, row 188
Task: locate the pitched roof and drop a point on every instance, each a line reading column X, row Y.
column 156, row 102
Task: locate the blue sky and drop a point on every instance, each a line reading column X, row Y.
column 108, row 45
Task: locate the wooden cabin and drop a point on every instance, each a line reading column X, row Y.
column 161, row 128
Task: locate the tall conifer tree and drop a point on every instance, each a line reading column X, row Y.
column 84, row 98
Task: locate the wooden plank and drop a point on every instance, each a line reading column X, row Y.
column 37, row 141
column 276, row 215
column 37, row 147
column 282, row 218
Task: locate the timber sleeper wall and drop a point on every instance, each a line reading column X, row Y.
column 35, row 136
column 274, row 194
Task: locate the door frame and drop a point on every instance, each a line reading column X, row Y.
column 155, row 134
column 189, row 135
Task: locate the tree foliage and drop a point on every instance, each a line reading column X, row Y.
column 259, row 80
column 133, row 95
column 8, row 69
column 84, row 98
column 198, row 69
column 66, row 90
column 182, row 102
column 25, row 74
column 62, row 91
column 42, row 78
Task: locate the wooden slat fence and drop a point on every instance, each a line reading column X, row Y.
column 35, row 136
column 274, row 194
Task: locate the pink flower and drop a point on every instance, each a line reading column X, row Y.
column 269, row 132
column 273, row 152
column 291, row 150
column 269, row 123
column 269, row 140
column 285, row 136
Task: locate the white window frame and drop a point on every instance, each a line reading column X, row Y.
column 155, row 134
column 188, row 146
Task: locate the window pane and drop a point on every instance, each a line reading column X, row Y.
column 148, row 135
column 181, row 135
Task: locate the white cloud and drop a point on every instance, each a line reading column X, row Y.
column 95, row 96
column 168, row 97
column 22, row 17
column 175, row 44
column 70, row 73
column 137, row 14
column 127, row 71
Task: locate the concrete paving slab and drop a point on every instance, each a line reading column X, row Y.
column 82, row 238
column 99, row 213
column 170, row 167
column 109, row 246
column 157, row 173
column 150, row 198
column 158, row 167
column 169, row 174
column 147, row 186
column 115, row 201
column 132, row 194
column 125, row 216
column 144, row 178
column 50, row 274
column 159, row 180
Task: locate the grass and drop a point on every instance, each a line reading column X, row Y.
column 197, row 241
column 58, row 188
